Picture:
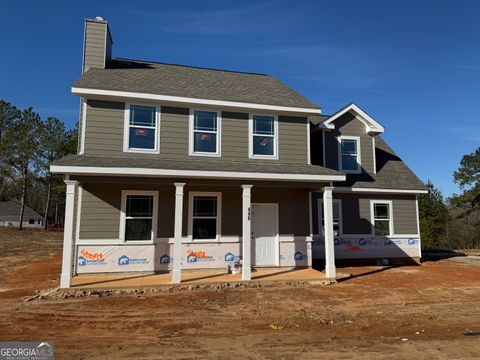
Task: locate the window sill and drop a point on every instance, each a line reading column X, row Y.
column 205, row 154
column 140, row 151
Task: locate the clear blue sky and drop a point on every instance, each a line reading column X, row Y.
column 413, row 65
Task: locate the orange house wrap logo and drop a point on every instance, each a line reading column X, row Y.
column 194, row 256
column 91, row 256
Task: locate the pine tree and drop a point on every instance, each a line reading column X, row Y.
column 433, row 215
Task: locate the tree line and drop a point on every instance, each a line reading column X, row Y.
column 28, row 146
column 454, row 222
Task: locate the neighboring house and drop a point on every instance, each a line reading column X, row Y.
column 176, row 163
column 10, row 215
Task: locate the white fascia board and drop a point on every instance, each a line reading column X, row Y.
column 373, row 190
column 148, row 172
column 187, row 100
column 371, row 124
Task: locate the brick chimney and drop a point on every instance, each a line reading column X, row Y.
column 97, row 44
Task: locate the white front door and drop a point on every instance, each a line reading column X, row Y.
column 264, row 234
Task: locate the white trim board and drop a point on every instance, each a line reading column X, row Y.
column 148, row 172
column 374, row 190
column 187, row 100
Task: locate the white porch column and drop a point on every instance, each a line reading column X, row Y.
column 65, row 278
column 330, row 272
column 246, row 232
column 177, row 242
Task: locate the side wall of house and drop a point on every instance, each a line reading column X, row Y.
column 356, row 237
column 105, row 129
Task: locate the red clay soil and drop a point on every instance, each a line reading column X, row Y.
column 420, row 312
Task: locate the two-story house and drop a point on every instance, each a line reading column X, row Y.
column 182, row 167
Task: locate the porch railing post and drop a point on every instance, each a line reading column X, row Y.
column 177, row 242
column 330, row 271
column 246, row 232
column 66, row 276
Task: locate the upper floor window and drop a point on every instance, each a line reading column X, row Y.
column 381, row 212
column 204, row 133
column 263, row 136
column 141, row 128
column 349, row 154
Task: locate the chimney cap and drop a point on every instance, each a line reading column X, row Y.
column 99, row 18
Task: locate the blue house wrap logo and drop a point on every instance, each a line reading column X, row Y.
column 82, row 261
column 191, row 258
column 336, row 242
column 412, row 241
column 124, row 260
column 362, row 241
column 165, row 259
column 299, row 256
column 229, row 257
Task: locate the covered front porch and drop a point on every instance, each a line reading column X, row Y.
column 276, row 215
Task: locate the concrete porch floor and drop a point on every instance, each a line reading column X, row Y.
column 191, row 277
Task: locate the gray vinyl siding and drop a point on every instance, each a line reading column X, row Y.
column 105, row 126
column 94, row 46
column 101, row 204
column 348, row 125
column 357, row 218
column 100, row 212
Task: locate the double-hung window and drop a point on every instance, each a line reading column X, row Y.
column 381, row 212
column 263, row 136
column 204, row 216
column 349, row 154
column 205, row 138
column 337, row 217
column 138, row 215
column 141, row 130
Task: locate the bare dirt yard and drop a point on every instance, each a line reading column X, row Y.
column 430, row 311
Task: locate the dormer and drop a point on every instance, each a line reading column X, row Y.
column 345, row 141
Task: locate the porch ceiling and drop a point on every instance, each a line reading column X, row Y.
column 207, row 169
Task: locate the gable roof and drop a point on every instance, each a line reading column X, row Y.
column 142, row 77
column 371, row 125
column 392, row 172
column 12, row 208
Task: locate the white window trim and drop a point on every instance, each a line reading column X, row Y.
column 191, row 194
column 372, row 216
column 123, row 216
column 126, row 130
column 191, row 123
column 250, row 138
column 320, row 215
column 359, row 154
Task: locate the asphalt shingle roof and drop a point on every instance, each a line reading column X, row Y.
column 392, row 172
column 12, row 208
column 194, row 82
column 205, row 165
